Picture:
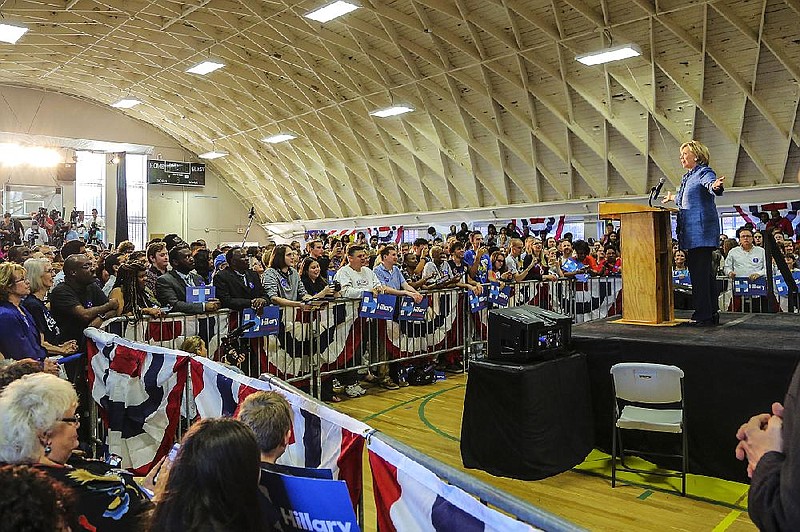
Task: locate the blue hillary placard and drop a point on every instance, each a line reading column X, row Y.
column 477, row 303
column 681, row 277
column 571, row 265
column 306, row 504
column 410, row 311
column 266, row 324
column 497, row 296
column 743, row 286
column 381, row 307
column 200, row 294
column 780, row 283
column 331, row 276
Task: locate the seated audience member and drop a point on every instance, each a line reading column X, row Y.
column 18, row 254
column 767, row 443
column 38, row 426
column 213, row 484
column 746, row 260
column 132, row 295
column 31, row 501
column 171, row 287
column 19, row 337
column 158, row 257
column 238, row 287
column 270, row 417
column 40, row 279
column 71, row 247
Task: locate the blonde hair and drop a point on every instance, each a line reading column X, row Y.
column 699, row 150
column 192, row 344
column 7, row 270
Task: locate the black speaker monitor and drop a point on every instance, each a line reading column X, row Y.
column 527, row 333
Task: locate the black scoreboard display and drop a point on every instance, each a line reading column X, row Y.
column 176, row 173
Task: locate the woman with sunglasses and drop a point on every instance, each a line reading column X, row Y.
column 40, row 275
column 38, row 427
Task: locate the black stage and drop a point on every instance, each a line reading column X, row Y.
column 732, row 371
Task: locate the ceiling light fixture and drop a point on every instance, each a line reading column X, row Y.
column 331, row 11
column 16, row 155
column 280, row 137
column 126, row 103
column 606, row 55
column 205, row 67
column 213, row 154
column 394, row 110
column 10, row 33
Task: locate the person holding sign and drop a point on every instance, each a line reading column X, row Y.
column 746, row 260
column 171, row 287
column 698, row 228
column 282, row 282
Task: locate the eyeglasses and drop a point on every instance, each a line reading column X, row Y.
column 20, row 281
column 76, row 419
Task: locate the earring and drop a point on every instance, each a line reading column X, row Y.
column 47, row 449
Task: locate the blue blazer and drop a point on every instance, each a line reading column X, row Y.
column 698, row 221
column 19, row 337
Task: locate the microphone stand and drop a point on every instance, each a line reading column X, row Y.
column 250, row 217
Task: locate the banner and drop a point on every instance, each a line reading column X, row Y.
column 477, row 302
column 744, row 286
column 780, row 283
column 266, row 323
column 138, row 388
column 410, row 311
column 410, row 497
column 497, row 296
column 200, row 294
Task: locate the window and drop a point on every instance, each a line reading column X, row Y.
column 90, row 183
column 136, row 177
column 730, row 223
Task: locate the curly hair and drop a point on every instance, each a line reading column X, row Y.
column 31, row 406
column 30, row 501
column 133, row 297
column 18, row 369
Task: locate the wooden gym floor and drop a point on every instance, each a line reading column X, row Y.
column 428, row 418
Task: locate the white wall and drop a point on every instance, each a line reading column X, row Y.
column 211, row 212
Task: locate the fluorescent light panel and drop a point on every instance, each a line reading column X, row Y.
column 331, row 11
column 606, row 55
column 392, row 111
column 280, row 137
column 10, row 33
column 126, row 103
column 206, row 67
column 213, row 154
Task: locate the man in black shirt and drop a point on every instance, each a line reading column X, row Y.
column 316, row 251
column 76, row 304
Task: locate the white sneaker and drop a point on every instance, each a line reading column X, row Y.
column 354, row 390
column 337, row 386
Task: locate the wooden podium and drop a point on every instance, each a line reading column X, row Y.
column 646, row 237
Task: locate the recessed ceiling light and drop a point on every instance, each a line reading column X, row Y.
column 606, row 55
column 331, row 11
column 213, row 154
column 392, row 111
column 126, row 103
column 280, row 137
column 10, row 33
column 206, row 67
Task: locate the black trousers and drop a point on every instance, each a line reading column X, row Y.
column 705, row 294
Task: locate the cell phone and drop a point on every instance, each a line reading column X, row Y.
column 173, row 453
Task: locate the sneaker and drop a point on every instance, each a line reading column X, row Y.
column 337, row 386
column 402, row 378
column 388, row 383
column 354, row 390
column 455, row 367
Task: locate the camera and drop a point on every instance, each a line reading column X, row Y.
column 335, row 285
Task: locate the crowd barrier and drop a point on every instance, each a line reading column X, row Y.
column 307, row 347
column 139, row 386
column 735, row 295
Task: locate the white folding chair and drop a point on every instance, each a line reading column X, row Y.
column 638, row 384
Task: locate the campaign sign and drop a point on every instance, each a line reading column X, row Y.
column 571, row 265
column 267, row 324
column 743, row 286
column 308, row 504
column 780, row 283
column 497, row 296
column 410, row 311
column 331, row 276
column 477, row 303
column 200, row 294
column 381, row 307
column 681, row 278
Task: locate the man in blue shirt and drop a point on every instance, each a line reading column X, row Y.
column 478, row 269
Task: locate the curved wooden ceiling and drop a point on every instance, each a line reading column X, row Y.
column 504, row 114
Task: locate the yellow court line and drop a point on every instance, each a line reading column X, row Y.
column 728, row 521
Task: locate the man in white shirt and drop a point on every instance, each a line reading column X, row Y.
column 356, row 278
column 35, row 235
column 746, row 260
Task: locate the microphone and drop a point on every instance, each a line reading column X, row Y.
column 253, row 211
column 657, row 188
column 241, row 329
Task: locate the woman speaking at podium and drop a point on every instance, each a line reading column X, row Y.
column 698, row 228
